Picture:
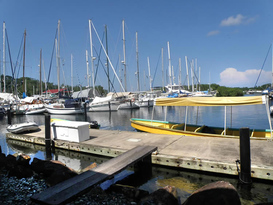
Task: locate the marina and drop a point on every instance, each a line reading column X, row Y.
column 180, row 156
column 116, row 136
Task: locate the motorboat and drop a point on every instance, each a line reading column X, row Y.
column 174, row 128
column 23, row 127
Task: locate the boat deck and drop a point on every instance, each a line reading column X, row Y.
column 209, row 154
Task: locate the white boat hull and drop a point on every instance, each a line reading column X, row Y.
column 102, row 107
column 64, row 111
column 145, row 103
column 127, row 106
column 35, row 111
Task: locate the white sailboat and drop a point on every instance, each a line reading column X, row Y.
column 70, row 106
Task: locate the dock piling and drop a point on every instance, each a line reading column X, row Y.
column 47, row 136
column 85, row 113
column 245, row 160
column 9, row 116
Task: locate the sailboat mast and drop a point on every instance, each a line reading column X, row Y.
column 179, row 77
column 272, row 66
column 4, row 55
column 187, row 70
column 72, row 89
column 149, row 69
column 199, row 78
column 195, row 74
column 87, row 68
column 41, row 72
column 113, row 69
column 192, row 75
column 24, row 56
column 92, row 58
column 44, row 77
column 138, row 85
column 170, row 68
column 107, row 62
column 173, row 75
column 124, row 59
column 162, row 70
column 58, row 57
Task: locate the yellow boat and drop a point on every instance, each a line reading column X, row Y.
column 172, row 128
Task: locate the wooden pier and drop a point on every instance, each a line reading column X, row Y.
column 217, row 155
column 77, row 185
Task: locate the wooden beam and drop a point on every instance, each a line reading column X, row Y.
column 71, row 188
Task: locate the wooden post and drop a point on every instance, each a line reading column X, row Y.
column 47, row 136
column 9, row 116
column 85, row 112
column 245, row 160
column 109, row 106
column 143, row 167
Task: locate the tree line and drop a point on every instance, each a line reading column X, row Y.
column 33, row 87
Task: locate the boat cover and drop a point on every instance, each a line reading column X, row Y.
column 102, row 99
column 72, row 103
column 210, row 101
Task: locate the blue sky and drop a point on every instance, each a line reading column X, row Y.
column 229, row 38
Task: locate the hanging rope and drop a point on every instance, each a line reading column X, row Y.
column 156, row 67
column 18, row 58
column 263, row 65
column 12, row 71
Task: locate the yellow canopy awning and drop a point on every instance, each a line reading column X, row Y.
column 210, row 101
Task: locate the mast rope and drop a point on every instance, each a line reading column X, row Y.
column 263, row 65
column 10, row 55
column 156, row 68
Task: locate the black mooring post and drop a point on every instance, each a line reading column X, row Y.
column 245, row 160
column 85, row 112
column 47, row 136
column 109, row 105
column 9, row 116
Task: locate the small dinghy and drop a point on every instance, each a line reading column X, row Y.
column 23, row 127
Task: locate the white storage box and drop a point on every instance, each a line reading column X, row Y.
column 70, row 130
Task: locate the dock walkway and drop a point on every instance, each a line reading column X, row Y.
column 77, row 185
column 209, row 154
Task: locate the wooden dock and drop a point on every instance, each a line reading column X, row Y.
column 218, row 155
column 71, row 188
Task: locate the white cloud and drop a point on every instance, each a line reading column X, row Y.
column 237, row 20
column 213, row 33
column 231, row 77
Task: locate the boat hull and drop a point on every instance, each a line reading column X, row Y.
column 127, row 106
column 35, row 111
column 103, row 107
column 171, row 128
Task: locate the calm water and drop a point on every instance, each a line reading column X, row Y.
column 186, row 182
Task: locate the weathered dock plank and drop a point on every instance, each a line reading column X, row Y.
column 71, row 188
